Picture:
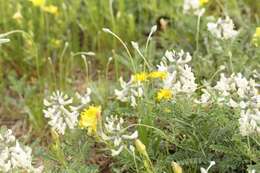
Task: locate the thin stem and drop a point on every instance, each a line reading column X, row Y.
column 198, row 34
column 135, row 45
column 35, row 48
column 230, row 61
column 257, row 142
column 153, row 29
column 107, row 66
column 249, row 149
column 61, row 63
column 86, row 66
column 147, row 126
column 213, row 76
column 53, row 72
column 84, row 53
column 133, row 154
column 121, row 41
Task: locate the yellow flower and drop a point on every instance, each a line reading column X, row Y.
column 256, row 37
column 140, row 76
column 89, row 119
column 51, row 9
column 38, row 3
column 164, row 94
column 158, row 74
column 176, row 167
column 203, row 2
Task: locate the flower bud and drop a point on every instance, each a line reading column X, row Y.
column 176, row 168
column 140, row 147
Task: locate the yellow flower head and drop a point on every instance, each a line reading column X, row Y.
column 140, row 77
column 256, row 37
column 38, row 3
column 158, row 74
column 203, row 2
column 50, row 9
column 164, row 94
column 89, row 119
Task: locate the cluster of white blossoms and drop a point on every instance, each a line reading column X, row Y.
column 223, row 29
column 117, row 135
column 62, row 111
column 179, row 78
column 13, row 156
column 130, row 91
column 194, row 7
column 172, row 76
column 237, row 92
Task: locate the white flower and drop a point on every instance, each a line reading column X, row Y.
column 7, row 137
column 132, row 136
column 249, row 122
column 129, row 91
column 117, row 152
column 133, row 101
column 205, row 97
column 237, row 92
column 62, row 111
column 223, row 85
column 21, row 157
column 252, row 171
column 180, row 77
column 223, row 29
column 116, row 134
column 59, row 112
column 187, row 80
column 193, row 6
column 84, row 99
column 5, row 163
column 13, row 156
column 232, row 103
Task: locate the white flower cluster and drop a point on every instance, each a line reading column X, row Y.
column 130, row 91
column 115, row 133
column 13, row 156
column 223, row 28
column 179, row 77
column 237, row 92
column 194, row 7
column 61, row 110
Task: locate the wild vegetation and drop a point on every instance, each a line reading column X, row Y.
column 121, row 86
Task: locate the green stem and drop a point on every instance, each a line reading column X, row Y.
column 198, row 34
